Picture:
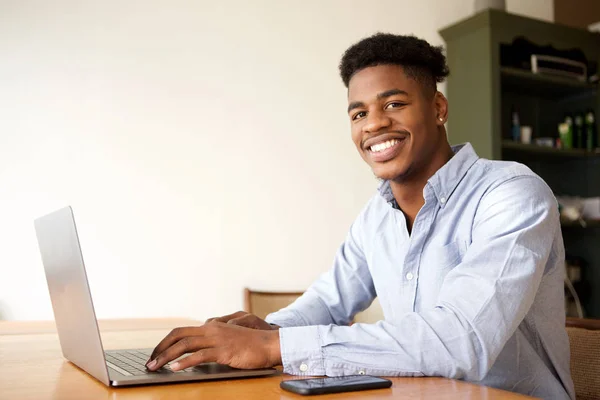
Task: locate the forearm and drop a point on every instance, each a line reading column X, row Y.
column 436, row 343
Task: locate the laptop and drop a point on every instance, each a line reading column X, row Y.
column 76, row 319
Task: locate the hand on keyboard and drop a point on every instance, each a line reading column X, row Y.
column 228, row 344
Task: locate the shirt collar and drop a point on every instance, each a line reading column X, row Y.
column 446, row 179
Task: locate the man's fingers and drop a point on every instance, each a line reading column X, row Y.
column 173, row 337
column 186, row 345
column 248, row 320
column 171, row 353
column 199, row 357
column 251, row 321
column 241, row 321
column 226, row 318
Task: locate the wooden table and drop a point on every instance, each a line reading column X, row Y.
column 32, row 367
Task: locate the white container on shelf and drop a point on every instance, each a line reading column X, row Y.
column 481, row 5
column 590, row 208
column 526, row 134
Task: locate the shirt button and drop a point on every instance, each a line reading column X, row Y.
column 409, row 276
column 361, row 372
column 443, row 200
column 303, row 367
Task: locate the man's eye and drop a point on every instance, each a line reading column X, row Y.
column 394, row 105
column 358, row 115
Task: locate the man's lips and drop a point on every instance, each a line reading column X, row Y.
column 385, row 147
column 379, row 139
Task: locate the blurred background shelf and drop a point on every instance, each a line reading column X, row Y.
column 544, row 85
column 590, row 223
column 522, row 149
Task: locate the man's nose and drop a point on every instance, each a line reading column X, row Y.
column 376, row 121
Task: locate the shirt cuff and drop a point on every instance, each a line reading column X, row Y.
column 301, row 351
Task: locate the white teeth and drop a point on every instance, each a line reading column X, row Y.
column 384, row 145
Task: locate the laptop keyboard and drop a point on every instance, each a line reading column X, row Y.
column 131, row 361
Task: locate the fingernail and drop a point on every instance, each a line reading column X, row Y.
column 151, row 364
column 174, row 366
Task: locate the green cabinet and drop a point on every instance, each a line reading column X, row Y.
column 482, row 93
column 477, row 81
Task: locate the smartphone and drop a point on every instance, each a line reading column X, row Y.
column 335, row 384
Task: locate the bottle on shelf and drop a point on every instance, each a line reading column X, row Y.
column 565, row 136
column 566, row 133
column 590, row 131
column 515, row 127
column 578, row 133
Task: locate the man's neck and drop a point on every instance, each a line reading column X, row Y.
column 409, row 192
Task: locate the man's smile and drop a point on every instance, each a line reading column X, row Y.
column 384, row 147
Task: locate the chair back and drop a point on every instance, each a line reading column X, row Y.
column 584, row 337
column 262, row 304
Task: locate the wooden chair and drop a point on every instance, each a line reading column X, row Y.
column 584, row 336
column 262, row 304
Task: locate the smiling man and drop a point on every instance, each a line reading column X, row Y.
column 465, row 255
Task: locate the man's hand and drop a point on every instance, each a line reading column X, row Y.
column 219, row 342
column 242, row 318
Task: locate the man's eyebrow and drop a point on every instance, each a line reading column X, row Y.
column 355, row 104
column 391, row 92
column 382, row 95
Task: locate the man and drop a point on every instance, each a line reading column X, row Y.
column 465, row 255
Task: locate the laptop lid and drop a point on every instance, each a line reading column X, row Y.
column 75, row 316
column 70, row 293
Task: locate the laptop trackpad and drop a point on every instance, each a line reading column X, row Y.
column 212, row 368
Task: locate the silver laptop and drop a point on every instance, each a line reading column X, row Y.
column 76, row 319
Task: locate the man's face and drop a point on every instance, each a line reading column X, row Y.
column 394, row 121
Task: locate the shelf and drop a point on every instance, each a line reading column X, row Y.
column 534, row 150
column 590, row 223
column 518, row 80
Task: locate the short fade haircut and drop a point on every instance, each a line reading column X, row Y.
column 421, row 61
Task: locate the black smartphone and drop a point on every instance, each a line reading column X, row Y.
column 335, row 384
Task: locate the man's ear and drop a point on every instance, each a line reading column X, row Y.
column 441, row 107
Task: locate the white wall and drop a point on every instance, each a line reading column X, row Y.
column 203, row 144
column 539, row 9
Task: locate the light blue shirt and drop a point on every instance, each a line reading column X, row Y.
column 475, row 292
